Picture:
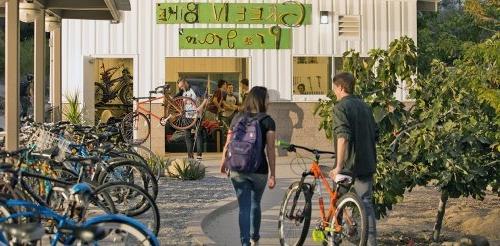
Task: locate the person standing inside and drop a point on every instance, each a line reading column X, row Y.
column 216, row 105
column 230, row 104
column 25, row 95
column 355, row 135
column 244, row 89
column 186, row 90
column 251, row 170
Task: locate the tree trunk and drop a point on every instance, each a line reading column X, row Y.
column 440, row 216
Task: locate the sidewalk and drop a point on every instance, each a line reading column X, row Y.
column 222, row 224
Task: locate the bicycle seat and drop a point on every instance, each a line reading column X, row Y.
column 26, row 233
column 344, row 178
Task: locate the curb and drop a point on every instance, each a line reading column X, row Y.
column 201, row 218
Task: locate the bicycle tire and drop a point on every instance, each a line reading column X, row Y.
column 111, row 190
column 178, row 120
column 303, row 212
column 130, row 124
column 341, row 205
column 149, row 182
column 147, row 155
column 126, row 94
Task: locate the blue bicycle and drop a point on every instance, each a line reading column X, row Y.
column 26, row 223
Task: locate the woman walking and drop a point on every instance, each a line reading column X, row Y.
column 250, row 137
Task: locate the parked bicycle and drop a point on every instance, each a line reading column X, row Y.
column 345, row 223
column 109, row 89
column 179, row 112
column 25, row 223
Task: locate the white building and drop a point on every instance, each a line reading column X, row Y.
column 151, row 51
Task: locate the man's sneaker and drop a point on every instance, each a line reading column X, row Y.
column 254, row 243
column 199, row 158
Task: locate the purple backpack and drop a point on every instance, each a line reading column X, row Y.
column 244, row 152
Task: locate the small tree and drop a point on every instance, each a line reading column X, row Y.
column 377, row 79
column 457, row 141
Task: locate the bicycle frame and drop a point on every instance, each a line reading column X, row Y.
column 319, row 179
column 139, row 108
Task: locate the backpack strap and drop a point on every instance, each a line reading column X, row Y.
column 261, row 116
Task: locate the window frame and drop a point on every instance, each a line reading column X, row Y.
column 309, row 98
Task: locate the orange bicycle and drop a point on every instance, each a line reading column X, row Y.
column 345, row 223
column 179, row 112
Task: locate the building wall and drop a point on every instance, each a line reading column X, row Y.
column 138, row 35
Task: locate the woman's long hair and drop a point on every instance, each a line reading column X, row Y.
column 255, row 101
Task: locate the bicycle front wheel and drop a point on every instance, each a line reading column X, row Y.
column 182, row 113
column 135, row 128
column 350, row 223
column 295, row 215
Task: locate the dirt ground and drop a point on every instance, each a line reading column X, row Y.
column 414, row 218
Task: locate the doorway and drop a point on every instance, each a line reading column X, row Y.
column 204, row 73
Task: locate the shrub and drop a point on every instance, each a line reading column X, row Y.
column 186, row 169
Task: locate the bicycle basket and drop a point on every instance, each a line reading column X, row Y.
column 43, row 140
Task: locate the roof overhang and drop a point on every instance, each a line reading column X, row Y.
column 84, row 9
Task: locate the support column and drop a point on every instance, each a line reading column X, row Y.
column 55, row 69
column 11, row 75
column 39, row 87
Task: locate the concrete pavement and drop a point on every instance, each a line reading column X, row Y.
column 220, row 226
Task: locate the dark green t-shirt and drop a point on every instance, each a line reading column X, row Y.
column 353, row 120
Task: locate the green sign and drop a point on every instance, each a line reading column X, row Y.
column 235, row 38
column 290, row 13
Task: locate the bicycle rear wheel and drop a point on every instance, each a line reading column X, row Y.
column 132, row 172
column 182, row 113
column 294, row 224
column 135, row 128
column 351, row 220
column 128, row 199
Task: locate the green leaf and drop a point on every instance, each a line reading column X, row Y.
column 379, row 113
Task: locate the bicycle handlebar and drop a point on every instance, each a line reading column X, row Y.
column 293, row 148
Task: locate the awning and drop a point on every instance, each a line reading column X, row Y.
column 84, row 9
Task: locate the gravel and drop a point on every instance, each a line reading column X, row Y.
column 178, row 201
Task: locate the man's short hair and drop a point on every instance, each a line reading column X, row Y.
column 221, row 82
column 346, row 81
column 244, row 82
column 182, row 79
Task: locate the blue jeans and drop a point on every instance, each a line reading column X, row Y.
column 249, row 188
column 364, row 188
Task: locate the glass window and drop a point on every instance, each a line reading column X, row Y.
column 312, row 75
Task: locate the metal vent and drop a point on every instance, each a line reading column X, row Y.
column 349, row 26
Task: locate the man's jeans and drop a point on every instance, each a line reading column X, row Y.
column 364, row 189
column 189, row 142
column 249, row 188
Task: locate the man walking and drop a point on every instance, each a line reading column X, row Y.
column 355, row 135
